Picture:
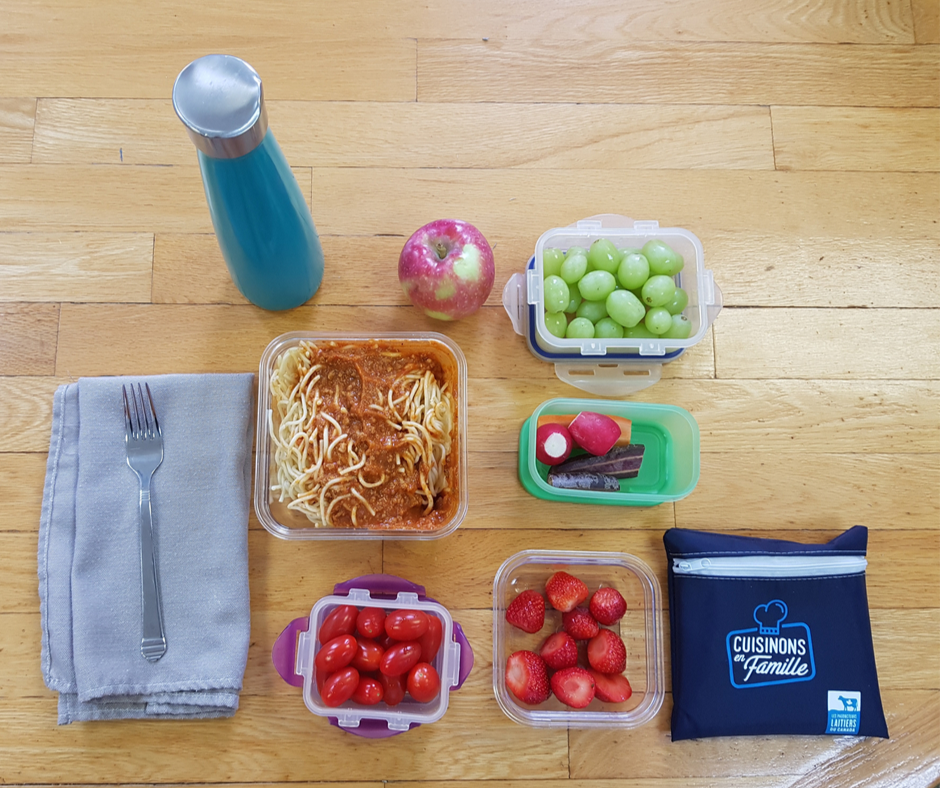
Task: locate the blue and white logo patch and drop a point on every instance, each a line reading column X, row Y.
column 772, row 652
column 845, row 712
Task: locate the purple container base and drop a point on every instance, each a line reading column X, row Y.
column 283, row 655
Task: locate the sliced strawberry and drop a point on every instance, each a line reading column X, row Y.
column 559, row 651
column 565, row 591
column 574, row 687
column 607, row 605
column 606, row 652
column 527, row 611
column 527, row 677
column 611, row 687
column 580, row 624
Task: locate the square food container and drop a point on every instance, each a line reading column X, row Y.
column 611, row 367
column 640, row 629
column 670, row 468
column 296, row 649
column 288, row 523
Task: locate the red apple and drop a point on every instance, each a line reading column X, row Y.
column 446, row 268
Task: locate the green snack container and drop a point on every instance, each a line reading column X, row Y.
column 670, row 468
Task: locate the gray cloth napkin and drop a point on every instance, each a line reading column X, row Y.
column 89, row 551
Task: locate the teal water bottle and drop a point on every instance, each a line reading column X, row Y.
column 259, row 214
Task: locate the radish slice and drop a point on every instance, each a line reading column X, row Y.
column 553, row 444
column 594, row 432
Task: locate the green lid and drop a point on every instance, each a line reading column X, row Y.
column 670, row 468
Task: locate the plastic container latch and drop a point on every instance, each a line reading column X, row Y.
column 454, row 678
column 533, row 286
column 713, row 296
column 590, row 224
column 398, row 725
column 609, row 380
column 407, row 598
column 646, row 226
column 514, row 302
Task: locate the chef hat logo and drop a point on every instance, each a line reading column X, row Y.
column 769, row 616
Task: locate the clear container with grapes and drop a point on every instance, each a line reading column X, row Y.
column 629, row 295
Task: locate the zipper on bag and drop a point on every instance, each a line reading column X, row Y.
column 770, row 565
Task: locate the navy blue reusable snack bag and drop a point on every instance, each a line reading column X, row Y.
column 771, row 637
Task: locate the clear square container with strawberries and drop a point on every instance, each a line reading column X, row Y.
column 577, row 640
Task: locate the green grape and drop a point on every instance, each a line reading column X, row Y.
column 551, row 262
column 556, row 323
column 573, row 250
column 574, row 302
column 627, row 250
column 633, row 271
column 555, row 294
column 603, row 256
column 658, row 290
column 625, row 308
column 592, row 310
column 679, row 302
column 639, row 331
column 597, row 285
column 658, row 320
column 662, row 259
column 680, row 329
column 580, row 328
column 608, row 328
column 574, row 267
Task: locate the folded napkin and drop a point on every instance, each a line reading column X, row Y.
column 89, row 551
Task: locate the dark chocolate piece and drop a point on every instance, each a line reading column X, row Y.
column 583, row 480
column 621, row 462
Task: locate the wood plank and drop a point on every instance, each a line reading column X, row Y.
column 856, row 138
column 845, row 21
column 782, row 269
column 517, row 204
column 26, row 415
column 28, row 338
column 926, row 15
column 17, row 116
column 86, row 267
column 647, row 751
column 42, row 64
column 477, row 745
column 882, row 491
column 459, row 571
column 373, row 134
column 21, row 481
column 705, row 73
column 827, row 343
column 769, row 781
column 241, row 333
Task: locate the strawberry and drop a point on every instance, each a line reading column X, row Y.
column 527, row 677
column 565, row 592
column 559, row 651
column 574, row 687
column 527, row 611
column 613, row 688
column 579, row 624
column 607, row 605
column 606, row 653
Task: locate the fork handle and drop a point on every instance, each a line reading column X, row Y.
column 153, row 641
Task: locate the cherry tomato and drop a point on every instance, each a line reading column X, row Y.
column 394, row 689
column 340, row 686
column 321, row 677
column 340, row 621
column 423, row 682
column 385, row 641
column 371, row 622
column 406, row 624
column 337, row 653
column 368, row 656
column 400, row 658
column 369, row 692
column 430, row 641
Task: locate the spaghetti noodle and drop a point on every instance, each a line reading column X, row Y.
column 364, row 436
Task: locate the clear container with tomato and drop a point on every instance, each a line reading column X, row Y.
column 297, row 657
column 640, row 629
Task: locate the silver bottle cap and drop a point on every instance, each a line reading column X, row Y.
column 220, row 100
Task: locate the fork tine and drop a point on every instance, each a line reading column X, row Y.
column 128, row 427
column 145, row 425
column 153, row 410
column 137, row 425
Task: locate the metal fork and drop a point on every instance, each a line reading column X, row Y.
column 144, row 440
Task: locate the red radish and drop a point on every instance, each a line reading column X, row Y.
column 626, row 426
column 594, row 432
column 613, row 688
column 553, row 444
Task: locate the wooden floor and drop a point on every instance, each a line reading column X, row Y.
column 799, row 139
